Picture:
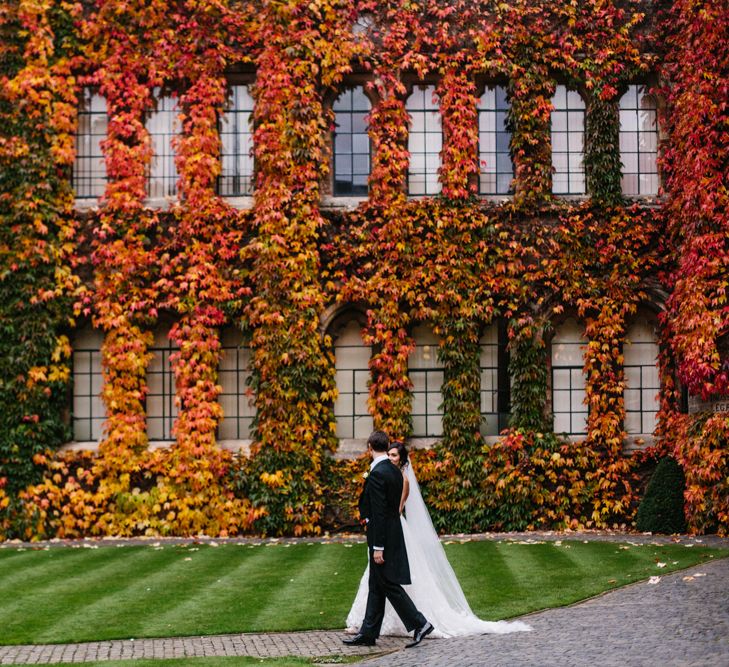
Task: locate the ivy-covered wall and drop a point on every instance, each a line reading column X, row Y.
column 455, row 261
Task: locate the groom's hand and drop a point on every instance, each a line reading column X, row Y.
column 379, row 557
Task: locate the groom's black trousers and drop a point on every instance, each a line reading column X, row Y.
column 380, row 590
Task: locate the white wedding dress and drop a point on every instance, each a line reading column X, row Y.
column 434, row 589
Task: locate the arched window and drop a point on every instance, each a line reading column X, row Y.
column 568, row 140
column 236, row 137
column 426, row 374
column 89, row 168
column 568, row 380
column 351, row 152
column 239, row 409
column 88, row 412
column 425, row 141
column 162, row 125
column 639, row 142
column 160, row 403
column 352, row 359
column 640, row 359
column 496, row 171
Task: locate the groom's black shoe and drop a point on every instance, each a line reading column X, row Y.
column 420, row 634
column 359, row 640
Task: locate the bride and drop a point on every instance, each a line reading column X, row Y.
column 434, row 588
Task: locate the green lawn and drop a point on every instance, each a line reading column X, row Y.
column 74, row 594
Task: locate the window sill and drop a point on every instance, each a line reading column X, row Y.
column 239, row 203
column 346, row 203
column 631, row 443
column 352, row 448
column 423, row 443
column 496, row 199
column 236, row 446
column 430, row 195
column 86, row 204
column 80, row 446
column 649, row 201
column 161, row 203
column 564, row 196
column 242, row 446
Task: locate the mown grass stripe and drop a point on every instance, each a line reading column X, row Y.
column 556, row 571
column 288, row 589
column 485, row 575
column 225, row 591
column 338, row 573
column 299, row 604
column 36, row 568
column 139, row 594
column 63, row 600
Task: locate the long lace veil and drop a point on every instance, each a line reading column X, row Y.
column 418, row 518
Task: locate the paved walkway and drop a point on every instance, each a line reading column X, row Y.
column 682, row 620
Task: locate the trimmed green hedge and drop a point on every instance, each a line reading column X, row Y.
column 661, row 510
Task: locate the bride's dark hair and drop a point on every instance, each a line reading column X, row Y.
column 401, row 450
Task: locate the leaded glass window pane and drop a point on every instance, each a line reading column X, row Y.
column 425, row 141
column 88, row 414
column 489, row 367
column 642, row 383
column 234, row 370
column 426, row 374
column 162, row 125
column 351, row 152
column 639, row 142
column 352, row 358
column 89, row 168
column 496, row 170
column 568, row 380
column 160, row 402
column 568, row 138
column 236, row 137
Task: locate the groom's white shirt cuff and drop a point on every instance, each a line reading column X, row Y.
column 375, row 461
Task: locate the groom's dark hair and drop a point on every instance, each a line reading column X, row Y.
column 379, row 441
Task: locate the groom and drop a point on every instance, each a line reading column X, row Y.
column 379, row 506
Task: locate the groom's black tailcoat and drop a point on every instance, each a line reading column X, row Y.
column 379, row 504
